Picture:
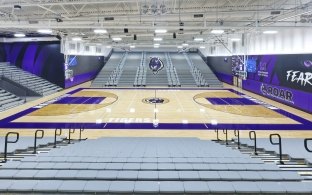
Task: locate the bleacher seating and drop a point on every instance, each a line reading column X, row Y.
column 102, row 77
column 9, row 100
column 28, row 80
column 172, row 75
column 114, row 77
column 179, row 70
column 127, row 77
column 293, row 147
column 140, row 77
column 210, row 78
column 147, row 165
column 183, row 70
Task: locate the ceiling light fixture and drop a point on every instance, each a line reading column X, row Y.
column 76, row 38
column 270, row 32
column 132, row 46
column 44, row 31
column 19, row 35
column 158, row 39
column 185, row 44
column 198, row 39
column 100, row 31
column 117, row 39
column 160, row 31
column 179, row 47
column 217, row 31
column 235, row 39
column 202, row 47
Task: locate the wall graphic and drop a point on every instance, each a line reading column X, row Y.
column 40, row 58
column 82, row 69
column 284, row 78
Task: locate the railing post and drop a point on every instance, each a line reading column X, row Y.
column 236, row 133
column 279, row 143
column 306, row 144
column 36, row 137
column 255, row 140
column 225, row 131
column 70, row 131
column 81, row 129
column 56, row 134
column 217, row 131
column 7, row 141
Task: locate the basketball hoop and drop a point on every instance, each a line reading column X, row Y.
column 242, row 74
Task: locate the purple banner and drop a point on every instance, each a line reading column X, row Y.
column 225, row 78
column 291, row 97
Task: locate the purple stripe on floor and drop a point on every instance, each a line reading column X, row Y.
column 80, row 100
column 231, row 101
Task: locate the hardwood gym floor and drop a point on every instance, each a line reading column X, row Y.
column 121, row 112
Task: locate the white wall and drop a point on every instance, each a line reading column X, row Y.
column 286, row 41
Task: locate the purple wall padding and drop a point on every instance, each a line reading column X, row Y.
column 299, row 99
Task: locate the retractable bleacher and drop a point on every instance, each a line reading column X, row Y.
column 147, row 165
column 9, row 100
column 28, row 80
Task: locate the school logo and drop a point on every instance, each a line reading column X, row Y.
column 154, row 100
column 307, row 63
column 276, row 92
column 156, row 64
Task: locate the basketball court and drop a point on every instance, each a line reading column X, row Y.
column 156, row 109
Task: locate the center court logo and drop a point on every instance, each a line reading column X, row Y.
column 154, row 100
column 278, row 93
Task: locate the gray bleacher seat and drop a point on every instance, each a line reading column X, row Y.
column 28, row 80
column 147, row 165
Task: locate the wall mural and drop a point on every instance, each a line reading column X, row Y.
column 43, row 59
column 284, row 78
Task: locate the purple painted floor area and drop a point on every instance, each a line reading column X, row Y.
column 231, row 101
column 80, row 100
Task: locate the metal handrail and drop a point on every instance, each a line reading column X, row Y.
column 255, row 140
column 217, row 131
column 56, row 134
column 306, row 144
column 81, row 129
column 279, row 143
column 236, row 134
column 7, row 142
column 69, row 133
column 37, row 137
column 225, row 131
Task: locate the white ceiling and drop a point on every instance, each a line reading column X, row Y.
column 81, row 17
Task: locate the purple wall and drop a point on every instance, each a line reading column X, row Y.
column 283, row 78
column 291, row 97
column 40, row 58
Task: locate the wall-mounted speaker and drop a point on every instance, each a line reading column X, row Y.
column 58, row 37
column 134, row 37
column 174, row 35
column 126, row 30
